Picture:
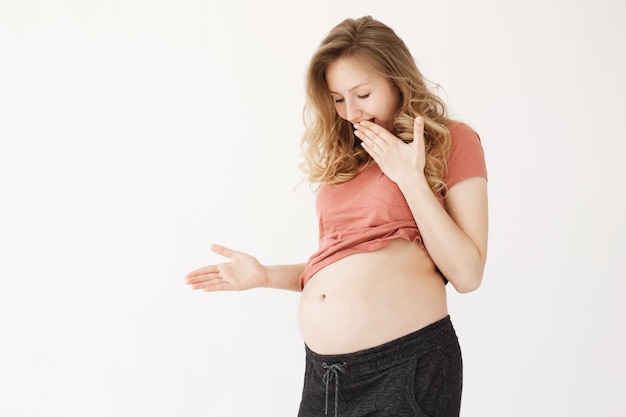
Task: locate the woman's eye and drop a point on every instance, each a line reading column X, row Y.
column 338, row 100
column 364, row 96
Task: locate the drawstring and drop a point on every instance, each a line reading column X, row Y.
column 332, row 371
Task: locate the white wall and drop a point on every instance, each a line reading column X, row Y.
column 135, row 133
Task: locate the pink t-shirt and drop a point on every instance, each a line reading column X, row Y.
column 369, row 211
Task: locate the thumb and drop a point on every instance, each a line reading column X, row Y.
column 418, row 130
column 222, row 250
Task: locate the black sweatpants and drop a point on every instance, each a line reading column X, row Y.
column 420, row 374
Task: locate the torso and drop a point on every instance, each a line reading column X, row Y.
column 385, row 290
column 370, row 298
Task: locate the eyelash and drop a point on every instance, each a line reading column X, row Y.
column 363, row 97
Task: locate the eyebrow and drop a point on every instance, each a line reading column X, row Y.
column 351, row 89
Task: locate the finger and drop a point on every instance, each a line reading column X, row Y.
column 368, row 141
column 208, row 284
column 195, row 279
column 223, row 286
column 418, row 131
column 209, row 269
column 223, row 250
column 370, row 150
column 213, row 283
column 373, row 131
column 366, row 135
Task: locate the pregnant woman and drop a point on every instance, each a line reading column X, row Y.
column 401, row 195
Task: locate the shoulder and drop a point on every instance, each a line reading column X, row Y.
column 461, row 132
column 466, row 156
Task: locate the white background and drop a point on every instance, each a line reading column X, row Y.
column 136, row 133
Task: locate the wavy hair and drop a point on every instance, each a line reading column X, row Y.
column 331, row 152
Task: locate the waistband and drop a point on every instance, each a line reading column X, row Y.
column 378, row 358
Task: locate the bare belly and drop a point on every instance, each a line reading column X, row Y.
column 367, row 299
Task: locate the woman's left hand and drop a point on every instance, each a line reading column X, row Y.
column 395, row 158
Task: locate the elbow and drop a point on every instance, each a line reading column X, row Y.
column 467, row 284
column 469, row 277
column 466, row 288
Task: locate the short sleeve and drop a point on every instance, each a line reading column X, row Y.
column 466, row 158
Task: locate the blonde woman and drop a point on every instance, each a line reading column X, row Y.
column 401, row 195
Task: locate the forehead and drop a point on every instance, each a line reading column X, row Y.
column 346, row 73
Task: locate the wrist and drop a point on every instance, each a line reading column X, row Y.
column 265, row 278
column 414, row 183
column 283, row 276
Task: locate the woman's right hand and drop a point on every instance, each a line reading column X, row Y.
column 243, row 272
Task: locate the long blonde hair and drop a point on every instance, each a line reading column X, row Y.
column 331, row 152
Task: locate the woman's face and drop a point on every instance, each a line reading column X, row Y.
column 360, row 93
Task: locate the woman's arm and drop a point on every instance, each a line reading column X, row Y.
column 244, row 272
column 284, row 277
column 455, row 236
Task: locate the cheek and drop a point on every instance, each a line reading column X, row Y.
column 392, row 109
column 341, row 112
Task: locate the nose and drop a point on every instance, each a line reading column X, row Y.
column 353, row 111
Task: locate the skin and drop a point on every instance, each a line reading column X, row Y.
column 360, row 94
column 347, row 306
column 464, row 223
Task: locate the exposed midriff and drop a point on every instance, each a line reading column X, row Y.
column 369, row 298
